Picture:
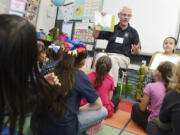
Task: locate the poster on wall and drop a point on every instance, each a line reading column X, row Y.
column 83, row 33
column 31, row 11
column 67, row 12
column 4, row 6
column 83, row 9
column 18, row 5
column 67, row 28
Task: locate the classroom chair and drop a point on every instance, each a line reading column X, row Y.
column 124, row 78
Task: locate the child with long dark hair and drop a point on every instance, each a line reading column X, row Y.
column 19, row 73
column 74, row 86
column 153, row 95
column 103, row 83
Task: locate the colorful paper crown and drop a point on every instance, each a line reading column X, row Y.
column 73, row 47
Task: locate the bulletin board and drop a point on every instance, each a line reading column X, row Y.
column 83, row 33
column 83, row 9
column 16, row 7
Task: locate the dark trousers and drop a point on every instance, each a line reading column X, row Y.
column 153, row 129
column 139, row 117
column 115, row 99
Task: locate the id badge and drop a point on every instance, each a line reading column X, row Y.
column 119, row 40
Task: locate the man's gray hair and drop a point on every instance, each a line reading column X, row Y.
column 125, row 7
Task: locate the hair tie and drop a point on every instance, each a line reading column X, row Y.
column 54, row 47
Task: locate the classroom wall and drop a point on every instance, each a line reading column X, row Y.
column 153, row 19
column 46, row 16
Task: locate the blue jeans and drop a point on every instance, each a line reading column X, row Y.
column 90, row 118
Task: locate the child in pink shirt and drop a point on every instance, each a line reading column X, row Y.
column 103, row 83
column 153, row 95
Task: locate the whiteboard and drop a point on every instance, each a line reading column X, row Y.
column 153, row 19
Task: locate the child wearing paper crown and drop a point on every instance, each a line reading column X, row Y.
column 74, row 86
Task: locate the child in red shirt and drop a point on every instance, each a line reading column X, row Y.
column 103, row 83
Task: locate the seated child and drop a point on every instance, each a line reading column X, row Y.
column 169, row 116
column 169, row 46
column 153, row 95
column 67, row 117
column 19, row 75
column 54, row 53
column 41, row 54
column 103, row 83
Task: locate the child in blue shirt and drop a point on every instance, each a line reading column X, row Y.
column 71, row 119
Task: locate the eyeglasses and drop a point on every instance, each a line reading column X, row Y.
column 124, row 15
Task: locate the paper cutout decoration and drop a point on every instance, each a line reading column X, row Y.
column 67, row 12
column 104, row 23
column 78, row 11
column 18, row 5
column 58, row 2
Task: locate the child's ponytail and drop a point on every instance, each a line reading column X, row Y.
column 65, row 72
column 103, row 66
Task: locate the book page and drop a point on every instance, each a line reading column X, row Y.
column 104, row 23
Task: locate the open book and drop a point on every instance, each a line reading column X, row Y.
column 104, row 23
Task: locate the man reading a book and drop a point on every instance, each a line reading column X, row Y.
column 121, row 42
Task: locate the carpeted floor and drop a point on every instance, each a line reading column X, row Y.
column 109, row 130
column 121, row 117
column 120, row 123
column 125, row 106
